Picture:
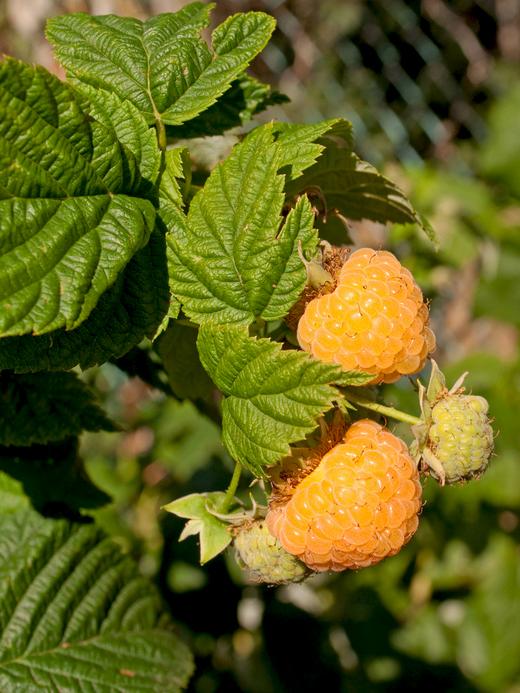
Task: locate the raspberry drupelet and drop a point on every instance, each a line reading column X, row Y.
column 374, row 321
column 358, row 506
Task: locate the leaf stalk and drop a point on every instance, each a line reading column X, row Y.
column 382, row 409
column 230, row 493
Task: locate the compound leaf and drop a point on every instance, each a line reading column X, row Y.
column 77, row 615
column 162, row 65
column 272, row 397
column 169, row 189
column 233, row 261
column 132, row 132
column 67, row 225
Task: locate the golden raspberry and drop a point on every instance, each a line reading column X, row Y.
column 374, row 321
column 358, row 506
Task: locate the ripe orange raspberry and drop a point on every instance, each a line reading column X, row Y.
column 358, row 506
column 374, row 321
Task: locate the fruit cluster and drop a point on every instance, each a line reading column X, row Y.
column 355, row 499
column 374, row 321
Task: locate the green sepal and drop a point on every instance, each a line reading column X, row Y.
column 197, row 508
column 436, row 385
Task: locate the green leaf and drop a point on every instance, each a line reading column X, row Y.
column 245, row 98
column 273, row 397
column 132, row 132
column 43, row 408
column 231, row 262
column 300, row 149
column 130, row 310
column 12, row 497
column 53, row 477
column 162, row 65
column 357, row 190
column 77, row 615
column 214, row 536
column 177, row 347
column 67, row 226
column 169, row 188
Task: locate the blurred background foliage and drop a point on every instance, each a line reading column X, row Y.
column 433, row 92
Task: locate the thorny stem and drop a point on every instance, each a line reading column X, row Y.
column 230, row 493
column 381, row 409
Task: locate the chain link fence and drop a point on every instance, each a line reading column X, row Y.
column 414, row 78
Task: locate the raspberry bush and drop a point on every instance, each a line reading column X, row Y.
column 214, row 286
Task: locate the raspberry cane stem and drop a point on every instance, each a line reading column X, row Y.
column 381, row 409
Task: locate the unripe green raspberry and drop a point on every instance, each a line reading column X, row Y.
column 257, row 550
column 461, row 437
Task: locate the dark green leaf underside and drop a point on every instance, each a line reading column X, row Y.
column 356, row 189
column 177, row 347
